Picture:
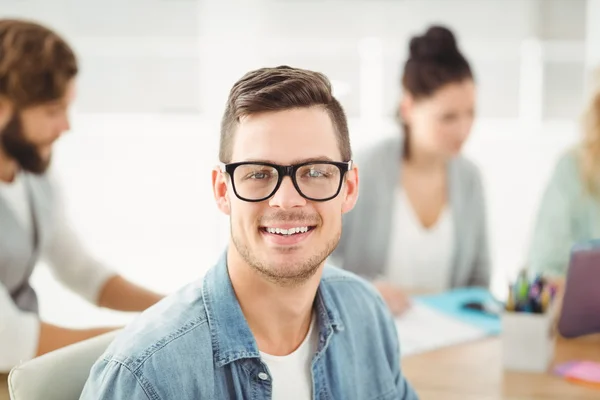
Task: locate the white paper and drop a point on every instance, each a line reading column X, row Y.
column 423, row 328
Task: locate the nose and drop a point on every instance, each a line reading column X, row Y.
column 66, row 125
column 287, row 197
column 465, row 127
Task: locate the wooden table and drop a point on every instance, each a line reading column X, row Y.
column 474, row 372
column 3, row 387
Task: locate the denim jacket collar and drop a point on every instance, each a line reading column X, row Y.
column 230, row 334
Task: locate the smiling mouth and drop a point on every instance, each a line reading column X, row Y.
column 287, row 232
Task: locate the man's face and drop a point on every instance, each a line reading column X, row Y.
column 29, row 135
column 285, row 138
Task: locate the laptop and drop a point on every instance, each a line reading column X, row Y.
column 580, row 313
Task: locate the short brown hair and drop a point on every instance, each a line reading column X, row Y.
column 278, row 89
column 35, row 63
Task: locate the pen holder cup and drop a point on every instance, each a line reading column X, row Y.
column 528, row 340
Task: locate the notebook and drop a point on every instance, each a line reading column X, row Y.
column 582, row 372
column 439, row 321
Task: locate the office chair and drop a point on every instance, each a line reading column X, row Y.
column 58, row 375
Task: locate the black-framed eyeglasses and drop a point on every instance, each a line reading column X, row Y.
column 314, row 180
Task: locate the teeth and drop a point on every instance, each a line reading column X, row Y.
column 291, row 231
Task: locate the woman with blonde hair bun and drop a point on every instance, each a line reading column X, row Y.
column 570, row 208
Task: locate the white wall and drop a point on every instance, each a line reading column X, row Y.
column 182, row 55
column 135, row 55
column 592, row 45
column 325, row 35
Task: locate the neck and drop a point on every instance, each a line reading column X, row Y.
column 278, row 316
column 8, row 167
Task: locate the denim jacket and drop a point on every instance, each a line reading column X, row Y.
column 196, row 344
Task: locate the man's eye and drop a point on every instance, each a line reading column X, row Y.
column 317, row 173
column 259, row 175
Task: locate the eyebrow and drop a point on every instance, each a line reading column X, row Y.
column 294, row 162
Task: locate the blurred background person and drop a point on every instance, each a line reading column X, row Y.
column 420, row 222
column 570, row 208
column 37, row 87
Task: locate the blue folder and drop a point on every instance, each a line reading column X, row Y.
column 451, row 303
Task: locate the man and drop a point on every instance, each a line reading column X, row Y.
column 37, row 86
column 270, row 320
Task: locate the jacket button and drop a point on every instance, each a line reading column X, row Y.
column 263, row 376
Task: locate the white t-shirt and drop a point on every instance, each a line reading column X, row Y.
column 70, row 263
column 419, row 257
column 292, row 374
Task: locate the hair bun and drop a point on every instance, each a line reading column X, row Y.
column 438, row 43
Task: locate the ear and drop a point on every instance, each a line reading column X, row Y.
column 219, row 183
column 6, row 111
column 350, row 189
column 405, row 108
